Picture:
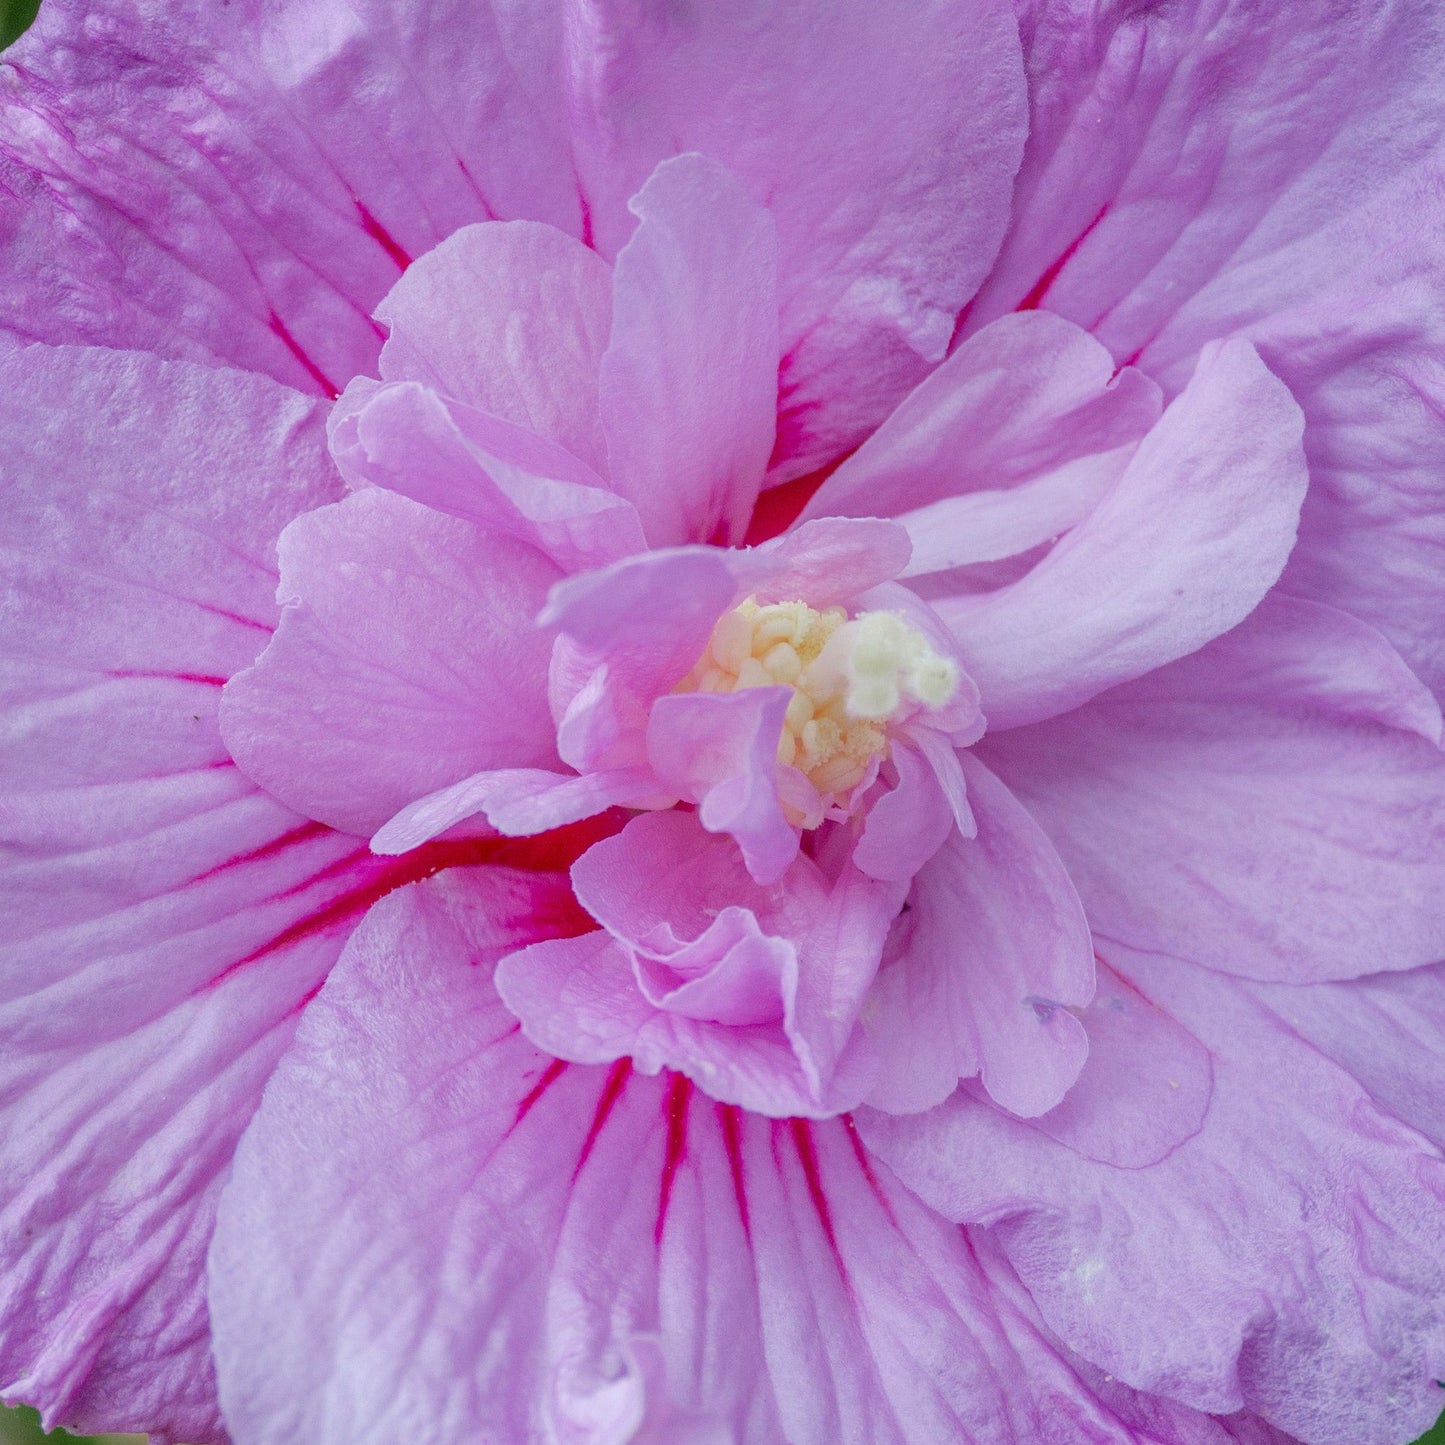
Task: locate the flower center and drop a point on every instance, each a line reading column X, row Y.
column 850, row 678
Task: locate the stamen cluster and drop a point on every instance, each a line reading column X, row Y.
column 850, row 678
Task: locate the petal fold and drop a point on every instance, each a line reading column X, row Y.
column 689, row 381
column 1184, row 546
column 407, row 658
column 1267, row 807
column 525, row 1250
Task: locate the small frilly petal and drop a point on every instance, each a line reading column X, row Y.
column 689, row 380
column 908, row 824
column 720, row 751
column 448, row 456
column 733, row 974
column 510, row 318
column 406, row 658
column 514, row 801
column 1283, row 1260
column 472, row 1234
column 1268, row 806
column 1021, row 402
column 995, row 957
column 579, row 999
column 680, row 907
column 1184, row 547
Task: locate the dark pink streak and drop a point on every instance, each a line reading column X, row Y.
column 860, row 1153
column 236, row 617
column 802, row 1131
column 376, row 877
column 730, row 1118
column 550, row 1075
column 382, row 237
column 674, row 1108
column 304, row 834
column 1042, row 285
column 617, row 1077
column 586, row 205
column 316, row 374
column 1133, row 357
column 202, row 677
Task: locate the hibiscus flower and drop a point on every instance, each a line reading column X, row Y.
column 720, row 725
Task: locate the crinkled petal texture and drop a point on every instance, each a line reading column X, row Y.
column 750, row 991
column 1283, row 1259
column 163, row 920
column 1221, row 169
column 243, row 183
column 435, row 1233
column 1273, row 806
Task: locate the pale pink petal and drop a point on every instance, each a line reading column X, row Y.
column 1284, row 1260
column 942, row 755
column 995, row 956
column 403, row 437
column 838, row 960
column 525, row 1249
column 689, row 381
column 1143, row 1090
column 907, row 825
column 407, row 657
column 826, row 561
column 1183, row 548
column 239, row 184
column 649, row 616
column 602, row 724
column 1267, row 806
column 161, row 919
column 882, row 142
column 720, row 751
column 511, row 318
column 1386, row 1030
column 991, row 526
column 515, row 802
column 1028, row 396
column 663, row 880
column 1227, row 171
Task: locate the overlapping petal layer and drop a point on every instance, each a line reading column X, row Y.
column 294, row 159
column 491, row 1243
column 1310, row 1235
column 1233, row 168
column 1267, row 807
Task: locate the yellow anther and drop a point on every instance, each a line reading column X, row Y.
column 849, row 679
